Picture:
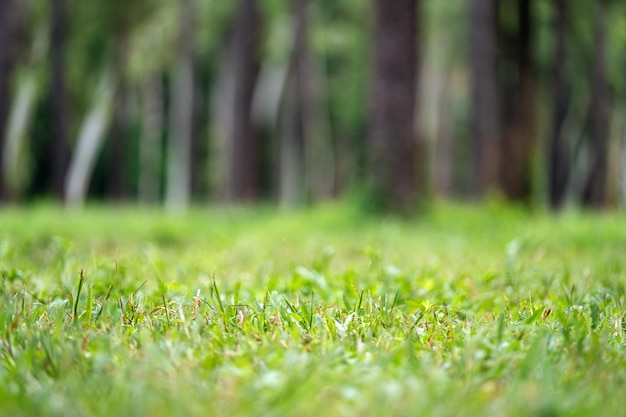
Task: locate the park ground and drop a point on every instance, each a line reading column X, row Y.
column 461, row 311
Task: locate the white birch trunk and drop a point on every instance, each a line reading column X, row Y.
column 89, row 142
column 15, row 170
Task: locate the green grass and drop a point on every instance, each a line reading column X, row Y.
column 477, row 311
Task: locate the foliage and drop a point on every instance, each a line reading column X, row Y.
column 465, row 311
column 138, row 41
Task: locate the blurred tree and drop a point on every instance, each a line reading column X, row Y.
column 122, row 18
column 150, row 56
column 558, row 152
column 16, row 158
column 99, row 54
column 296, row 108
column 484, row 113
column 303, row 115
column 58, row 98
column 343, row 36
column 240, row 184
column 179, row 164
column 8, row 27
column 518, row 93
column 392, row 168
column 90, row 139
column 150, row 143
column 322, row 152
column 442, row 97
column 119, row 135
column 594, row 194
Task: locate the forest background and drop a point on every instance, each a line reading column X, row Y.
column 294, row 102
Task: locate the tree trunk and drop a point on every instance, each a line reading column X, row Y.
column 269, row 97
column 519, row 135
column 16, row 173
column 484, row 125
column 7, row 34
column 392, row 168
column 295, row 113
column 179, row 160
column 594, row 194
column 243, row 152
column 60, row 152
column 444, row 146
column 88, row 145
column 322, row 156
column 558, row 153
column 150, row 141
column 120, row 129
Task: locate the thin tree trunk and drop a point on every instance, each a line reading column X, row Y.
column 484, row 125
column 223, row 122
column 179, row 161
column 60, row 151
column 7, row 40
column 19, row 121
column 622, row 156
column 444, row 147
column 242, row 181
column 150, row 142
column 558, row 153
column 269, row 96
column 392, row 167
column 594, row 194
column 199, row 148
column 295, row 111
column 89, row 142
column 120, row 135
column 519, row 135
column 436, row 117
column 322, row 160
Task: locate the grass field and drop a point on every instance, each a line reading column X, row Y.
column 464, row 311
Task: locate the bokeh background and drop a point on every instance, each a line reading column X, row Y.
column 171, row 102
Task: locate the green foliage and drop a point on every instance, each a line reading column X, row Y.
column 138, row 40
column 464, row 311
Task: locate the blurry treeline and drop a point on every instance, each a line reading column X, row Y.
column 297, row 101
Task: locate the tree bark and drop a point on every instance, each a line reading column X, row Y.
column 392, row 167
column 295, row 114
column 520, row 133
column 150, row 141
column 15, row 171
column 60, row 151
column 242, row 181
column 444, row 146
column 7, row 61
column 594, row 195
column 120, row 129
column 178, row 191
column 484, row 123
column 558, row 153
column 90, row 138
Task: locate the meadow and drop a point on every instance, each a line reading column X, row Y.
column 461, row 311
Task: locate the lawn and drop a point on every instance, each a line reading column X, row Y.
column 476, row 311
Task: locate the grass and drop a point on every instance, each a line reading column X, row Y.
column 464, row 311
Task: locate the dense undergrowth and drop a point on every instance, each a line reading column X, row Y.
column 462, row 311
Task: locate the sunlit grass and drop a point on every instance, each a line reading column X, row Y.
column 461, row 311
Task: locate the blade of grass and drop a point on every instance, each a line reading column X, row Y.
column 80, row 287
column 106, row 298
column 216, row 294
column 358, row 305
column 167, row 314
